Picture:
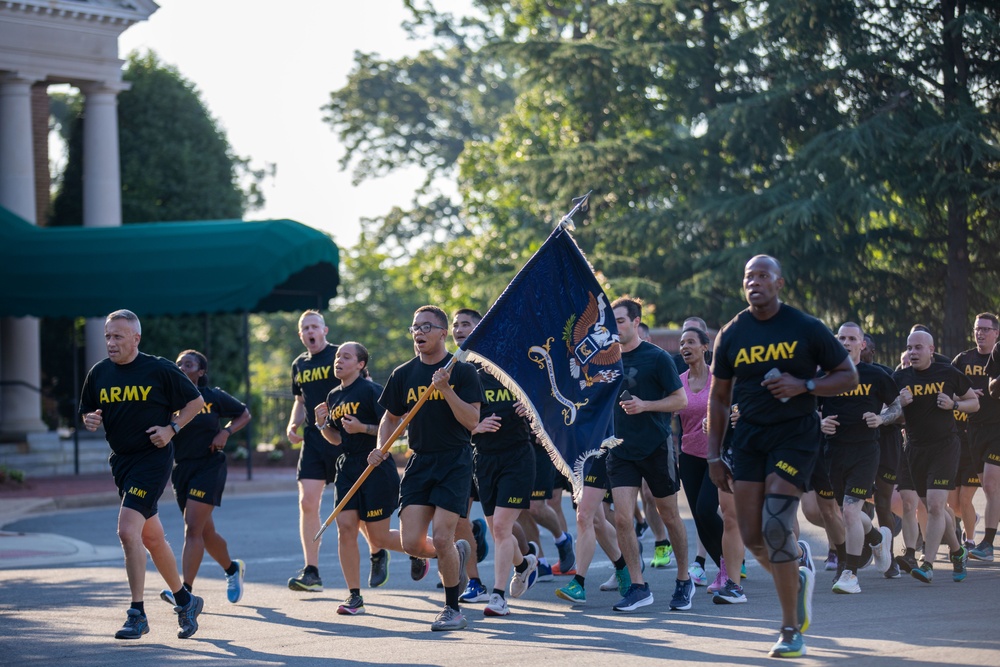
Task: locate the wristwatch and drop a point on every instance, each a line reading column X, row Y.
column 810, row 386
column 177, row 429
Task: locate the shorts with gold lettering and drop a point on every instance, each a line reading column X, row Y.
column 142, row 477
column 890, row 444
column 934, row 466
column 985, row 439
column 595, row 474
column 788, row 449
column 317, row 458
column 202, row 480
column 545, row 474
column 820, row 481
column 852, row 469
column 969, row 466
column 438, row 479
column 378, row 497
column 505, row 478
column 659, row 469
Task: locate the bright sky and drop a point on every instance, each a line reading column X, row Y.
column 264, row 70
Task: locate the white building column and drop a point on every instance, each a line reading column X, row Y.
column 102, row 187
column 20, row 355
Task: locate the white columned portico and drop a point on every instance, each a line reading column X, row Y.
column 102, row 192
column 20, row 356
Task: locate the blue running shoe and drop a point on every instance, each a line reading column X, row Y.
column 983, row 552
column 638, row 595
column 187, row 617
column 544, row 571
column 474, row 592
column 683, row 592
column 234, row 583
column 958, row 563
column 567, row 554
column 806, row 557
column 135, row 625
column 924, row 573
column 807, row 580
column 789, row 645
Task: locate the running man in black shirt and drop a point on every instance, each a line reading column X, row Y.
column 765, row 360
column 312, row 380
column 135, row 397
column 438, row 476
column 930, row 393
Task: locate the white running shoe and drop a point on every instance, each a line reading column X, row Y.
column 522, row 581
column 848, row 583
column 611, row 584
column 497, row 606
column 882, row 552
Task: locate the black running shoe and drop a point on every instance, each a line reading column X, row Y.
column 306, row 581
column 418, row 568
column 353, row 606
column 479, row 530
column 380, row 569
column 907, row 563
column 187, row 617
column 135, row 625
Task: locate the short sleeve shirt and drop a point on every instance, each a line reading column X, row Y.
column 875, row 389
column 926, row 423
column 975, row 365
column 313, row 378
column 194, row 440
column 500, row 401
column 649, row 374
column 359, row 399
column 434, row 428
column 134, row 397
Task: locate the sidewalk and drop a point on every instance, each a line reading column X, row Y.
column 50, row 494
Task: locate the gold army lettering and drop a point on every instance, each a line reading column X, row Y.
column 126, row 393
column 758, row 354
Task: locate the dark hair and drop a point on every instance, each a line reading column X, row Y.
column 202, row 364
column 438, row 314
column 632, row 306
column 870, row 341
column 702, row 336
column 361, row 352
column 989, row 316
column 920, row 327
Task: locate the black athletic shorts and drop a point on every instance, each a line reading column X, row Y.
column 658, row 469
column 595, row 474
column 142, row 477
column 969, row 466
column 852, row 470
column 438, row 479
column 545, row 474
column 789, row 449
column 890, row 444
column 317, row 458
column 934, row 466
column 504, row 478
column 985, row 441
column 820, row 481
column 378, row 497
column 904, row 480
column 201, row 480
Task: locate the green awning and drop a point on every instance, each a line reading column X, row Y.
column 164, row 268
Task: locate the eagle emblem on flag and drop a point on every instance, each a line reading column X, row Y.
column 590, row 342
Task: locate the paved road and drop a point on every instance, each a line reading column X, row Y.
column 66, row 615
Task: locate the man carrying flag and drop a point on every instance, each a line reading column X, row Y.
column 435, row 485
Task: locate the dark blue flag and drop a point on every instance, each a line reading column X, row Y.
column 551, row 338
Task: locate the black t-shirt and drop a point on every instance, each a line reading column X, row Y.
column 134, row 397
column 875, row 389
column 926, row 423
column 434, row 428
column 358, row 399
column 313, row 378
column 194, row 440
column 500, row 401
column 650, row 375
column 791, row 341
column 974, row 365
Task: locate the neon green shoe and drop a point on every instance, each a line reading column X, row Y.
column 661, row 557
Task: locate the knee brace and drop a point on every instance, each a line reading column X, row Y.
column 777, row 527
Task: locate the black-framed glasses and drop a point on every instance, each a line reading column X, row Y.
column 984, row 329
column 426, row 328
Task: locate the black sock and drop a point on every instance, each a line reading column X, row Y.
column 853, row 563
column 841, row 550
column 874, row 537
column 140, row 606
column 355, row 591
column 182, row 597
column 620, row 563
column 523, row 566
column 232, row 569
column 531, row 549
column 311, row 569
column 665, row 543
column 578, row 579
column 955, row 554
column 498, row 591
column 990, row 535
column 700, row 560
column 188, row 587
column 451, row 596
column 911, row 553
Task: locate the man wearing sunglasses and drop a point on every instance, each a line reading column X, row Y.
column 434, row 490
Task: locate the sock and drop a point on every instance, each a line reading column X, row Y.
column 874, row 537
column 853, row 563
column 841, row 550
column 451, row 596
column 498, row 591
column 578, row 579
column 665, row 543
column 522, row 567
column 991, row 534
column 313, row 569
column 955, row 554
column 700, row 560
column 924, row 562
column 531, row 549
column 140, row 606
column 620, row 563
column 355, row 591
column 562, row 538
column 542, row 561
column 182, row 597
column 232, row 569
column 911, row 553
column 188, row 587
